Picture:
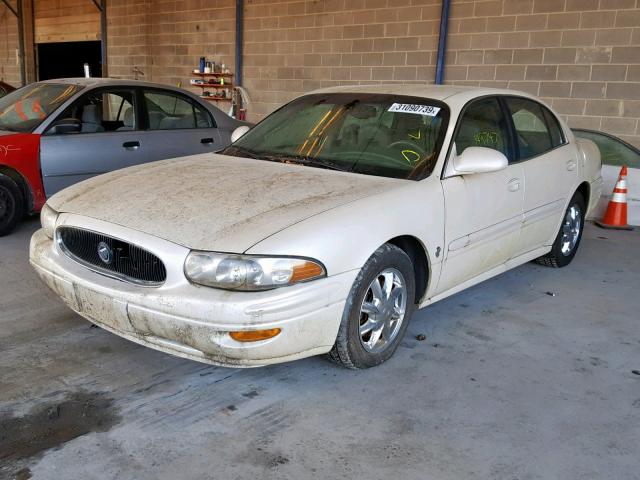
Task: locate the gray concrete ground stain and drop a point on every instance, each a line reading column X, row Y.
column 51, row 425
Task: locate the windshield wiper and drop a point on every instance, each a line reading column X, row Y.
column 313, row 163
column 242, row 151
column 296, row 159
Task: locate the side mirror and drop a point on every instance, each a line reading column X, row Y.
column 66, row 125
column 479, row 160
column 238, row 132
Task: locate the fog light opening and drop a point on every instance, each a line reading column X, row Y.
column 254, row 335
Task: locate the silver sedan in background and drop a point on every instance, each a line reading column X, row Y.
column 83, row 127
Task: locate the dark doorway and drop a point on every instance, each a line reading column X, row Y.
column 67, row 59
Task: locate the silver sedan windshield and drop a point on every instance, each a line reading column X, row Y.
column 27, row 107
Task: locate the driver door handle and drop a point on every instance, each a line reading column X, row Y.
column 131, row 145
column 514, row 185
column 206, row 141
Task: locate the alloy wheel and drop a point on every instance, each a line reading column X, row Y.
column 571, row 227
column 383, row 310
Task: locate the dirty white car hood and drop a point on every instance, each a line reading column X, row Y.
column 215, row 202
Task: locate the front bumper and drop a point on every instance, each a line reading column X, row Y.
column 188, row 320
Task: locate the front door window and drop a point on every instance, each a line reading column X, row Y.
column 104, row 111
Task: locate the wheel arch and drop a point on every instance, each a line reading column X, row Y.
column 420, row 260
column 23, row 185
column 585, row 190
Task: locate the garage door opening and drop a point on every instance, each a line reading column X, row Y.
column 67, row 59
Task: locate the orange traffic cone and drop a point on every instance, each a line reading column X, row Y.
column 616, row 215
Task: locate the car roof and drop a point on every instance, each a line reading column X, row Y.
column 221, row 118
column 97, row 82
column 448, row 93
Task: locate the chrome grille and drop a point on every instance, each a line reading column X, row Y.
column 126, row 261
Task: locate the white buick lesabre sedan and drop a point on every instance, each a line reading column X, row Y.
column 323, row 228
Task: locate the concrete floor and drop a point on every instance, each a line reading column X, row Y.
column 511, row 383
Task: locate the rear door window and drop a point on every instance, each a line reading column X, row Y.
column 537, row 131
column 169, row 111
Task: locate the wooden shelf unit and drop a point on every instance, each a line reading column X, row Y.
column 214, row 85
column 215, row 99
column 200, row 74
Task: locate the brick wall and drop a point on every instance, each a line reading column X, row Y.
column 128, row 38
column 165, row 39
column 9, row 67
column 293, row 47
column 582, row 56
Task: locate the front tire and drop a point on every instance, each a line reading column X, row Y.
column 568, row 239
column 11, row 205
column 378, row 309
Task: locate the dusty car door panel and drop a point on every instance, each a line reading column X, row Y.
column 550, row 171
column 482, row 223
column 161, row 144
column 549, row 178
column 483, row 211
column 68, row 159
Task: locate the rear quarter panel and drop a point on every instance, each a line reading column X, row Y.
column 590, row 170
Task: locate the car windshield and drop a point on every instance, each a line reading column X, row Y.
column 27, row 107
column 373, row 134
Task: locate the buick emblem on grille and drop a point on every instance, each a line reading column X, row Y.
column 105, row 253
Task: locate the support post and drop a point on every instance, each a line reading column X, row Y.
column 23, row 61
column 442, row 41
column 239, row 40
column 102, row 7
column 103, row 37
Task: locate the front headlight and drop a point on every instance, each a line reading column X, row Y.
column 246, row 272
column 48, row 217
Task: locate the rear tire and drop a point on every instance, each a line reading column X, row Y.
column 11, row 205
column 377, row 311
column 568, row 239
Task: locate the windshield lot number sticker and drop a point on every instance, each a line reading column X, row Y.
column 417, row 109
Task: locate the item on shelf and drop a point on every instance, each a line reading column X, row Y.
column 207, row 67
column 196, row 81
column 206, row 93
column 202, row 64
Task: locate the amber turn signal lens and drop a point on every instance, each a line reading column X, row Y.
column 254, row 335
column 306, row 271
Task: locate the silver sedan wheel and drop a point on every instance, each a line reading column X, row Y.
column 571, row 227
column 383, row 310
